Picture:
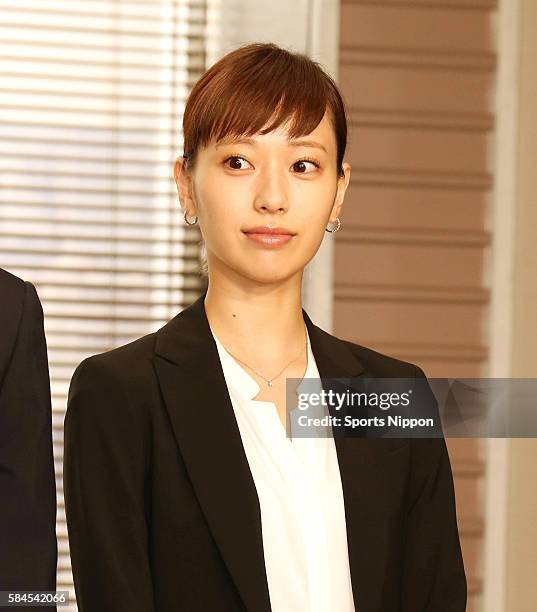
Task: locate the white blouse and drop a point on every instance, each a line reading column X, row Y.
column 301, row 500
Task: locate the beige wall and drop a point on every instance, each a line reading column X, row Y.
column 411, row 256
column 441, row 217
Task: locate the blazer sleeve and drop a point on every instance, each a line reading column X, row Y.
column 104, row 479
column 28, row 549
column 434, row 579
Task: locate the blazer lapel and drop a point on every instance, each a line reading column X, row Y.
column 196, row 396
column 334, row 359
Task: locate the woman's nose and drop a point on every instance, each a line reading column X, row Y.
column 271, row 191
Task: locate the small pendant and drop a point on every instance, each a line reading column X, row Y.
column 269, row 383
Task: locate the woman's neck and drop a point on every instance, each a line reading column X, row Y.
column 264, row 327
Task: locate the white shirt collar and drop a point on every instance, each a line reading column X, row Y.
column 241, row 381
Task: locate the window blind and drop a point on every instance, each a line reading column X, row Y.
column 93, row 93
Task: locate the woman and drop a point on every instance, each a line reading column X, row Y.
column 182, row 491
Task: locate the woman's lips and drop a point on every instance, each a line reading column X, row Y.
column 270, row 236
column 272, row 240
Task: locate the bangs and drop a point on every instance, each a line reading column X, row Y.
column 263, row 97
column 257, row 88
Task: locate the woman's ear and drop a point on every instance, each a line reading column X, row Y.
column 183, row 181
column 342, row 184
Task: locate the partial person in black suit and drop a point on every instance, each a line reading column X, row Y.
column 28, row 548
column 163, row 506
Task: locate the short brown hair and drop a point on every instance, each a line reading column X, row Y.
column 255, row 83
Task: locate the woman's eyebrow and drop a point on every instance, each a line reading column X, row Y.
column 307, row 143
column 231, row 140
column 251, row 141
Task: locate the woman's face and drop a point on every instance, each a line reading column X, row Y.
column 264, row 181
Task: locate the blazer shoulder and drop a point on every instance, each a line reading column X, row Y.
column 125, row 356
column 116, row 388
column 10, row 284
column 12, row 292
column 127, row 368
column 20, row 310
column 17, row 296
column 380, row 364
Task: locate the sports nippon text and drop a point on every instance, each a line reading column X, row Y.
column 384, row 401
column 413, row 407
column 378, row 411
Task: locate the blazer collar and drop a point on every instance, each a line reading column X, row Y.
column 189, row 333
column 195, row 393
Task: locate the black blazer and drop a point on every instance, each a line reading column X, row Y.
column 28, row 549
column 162, row 510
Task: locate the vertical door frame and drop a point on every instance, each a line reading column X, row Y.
column 502, row 222
column 318, row 281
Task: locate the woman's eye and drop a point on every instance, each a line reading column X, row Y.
column 236, row 162
column 301, row 166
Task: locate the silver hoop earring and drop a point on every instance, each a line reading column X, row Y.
column 338, row 225
column 187, row 221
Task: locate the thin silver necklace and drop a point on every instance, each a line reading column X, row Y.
column 269, row 381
